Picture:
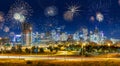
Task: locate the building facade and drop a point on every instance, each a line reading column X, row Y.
column 26, row 34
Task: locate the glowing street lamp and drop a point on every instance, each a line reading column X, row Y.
column 83, row 44
column 77, row 42
column 109, row 46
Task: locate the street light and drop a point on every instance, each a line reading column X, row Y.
column 108, row 49
column 83, row 44
column 109, row 46
column 77, row 42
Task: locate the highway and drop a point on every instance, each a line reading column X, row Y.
column 35, row 57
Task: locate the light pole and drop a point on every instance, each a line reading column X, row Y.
column 108, row 50
column 109, row 46
column 83, row 44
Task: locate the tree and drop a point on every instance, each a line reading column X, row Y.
column 41, row 50
column 19, row 49
column 51, row 48
column 56, row 49
column 27, row 50
column 33, row 48
column 36, row 50
column 13, row 49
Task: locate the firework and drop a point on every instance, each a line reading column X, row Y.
column 51, row 11
column 19, row 11
column 99, row 17
column 119, row 2
column 100, row 9
column 68, row 16
column 6, row 29
column 19, row 17
column 72, row 11
column 1, row 17
column 1, row 20
column 92, row 18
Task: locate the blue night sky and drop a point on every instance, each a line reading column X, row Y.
column 110, row 25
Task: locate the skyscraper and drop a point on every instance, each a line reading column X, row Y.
column 26, row 34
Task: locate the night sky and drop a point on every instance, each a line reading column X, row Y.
column 110, row 25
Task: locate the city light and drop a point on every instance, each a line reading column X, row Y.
column 75, row 31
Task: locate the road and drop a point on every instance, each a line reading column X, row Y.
column 35, row 57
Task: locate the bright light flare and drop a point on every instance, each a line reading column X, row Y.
column 74, row 9
column 99, row 16
column 51, row 11
column 19, row 17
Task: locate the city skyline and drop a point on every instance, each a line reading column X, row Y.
column 60, row 32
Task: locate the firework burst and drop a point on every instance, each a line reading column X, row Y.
column 20, row 11
column 118, row 2
column 100, row 9
column 92, row 18
column 2, row 17
column 68, row 16
column 72, row 11
column 6, row 29
column 99, row 16
column 51, row 11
